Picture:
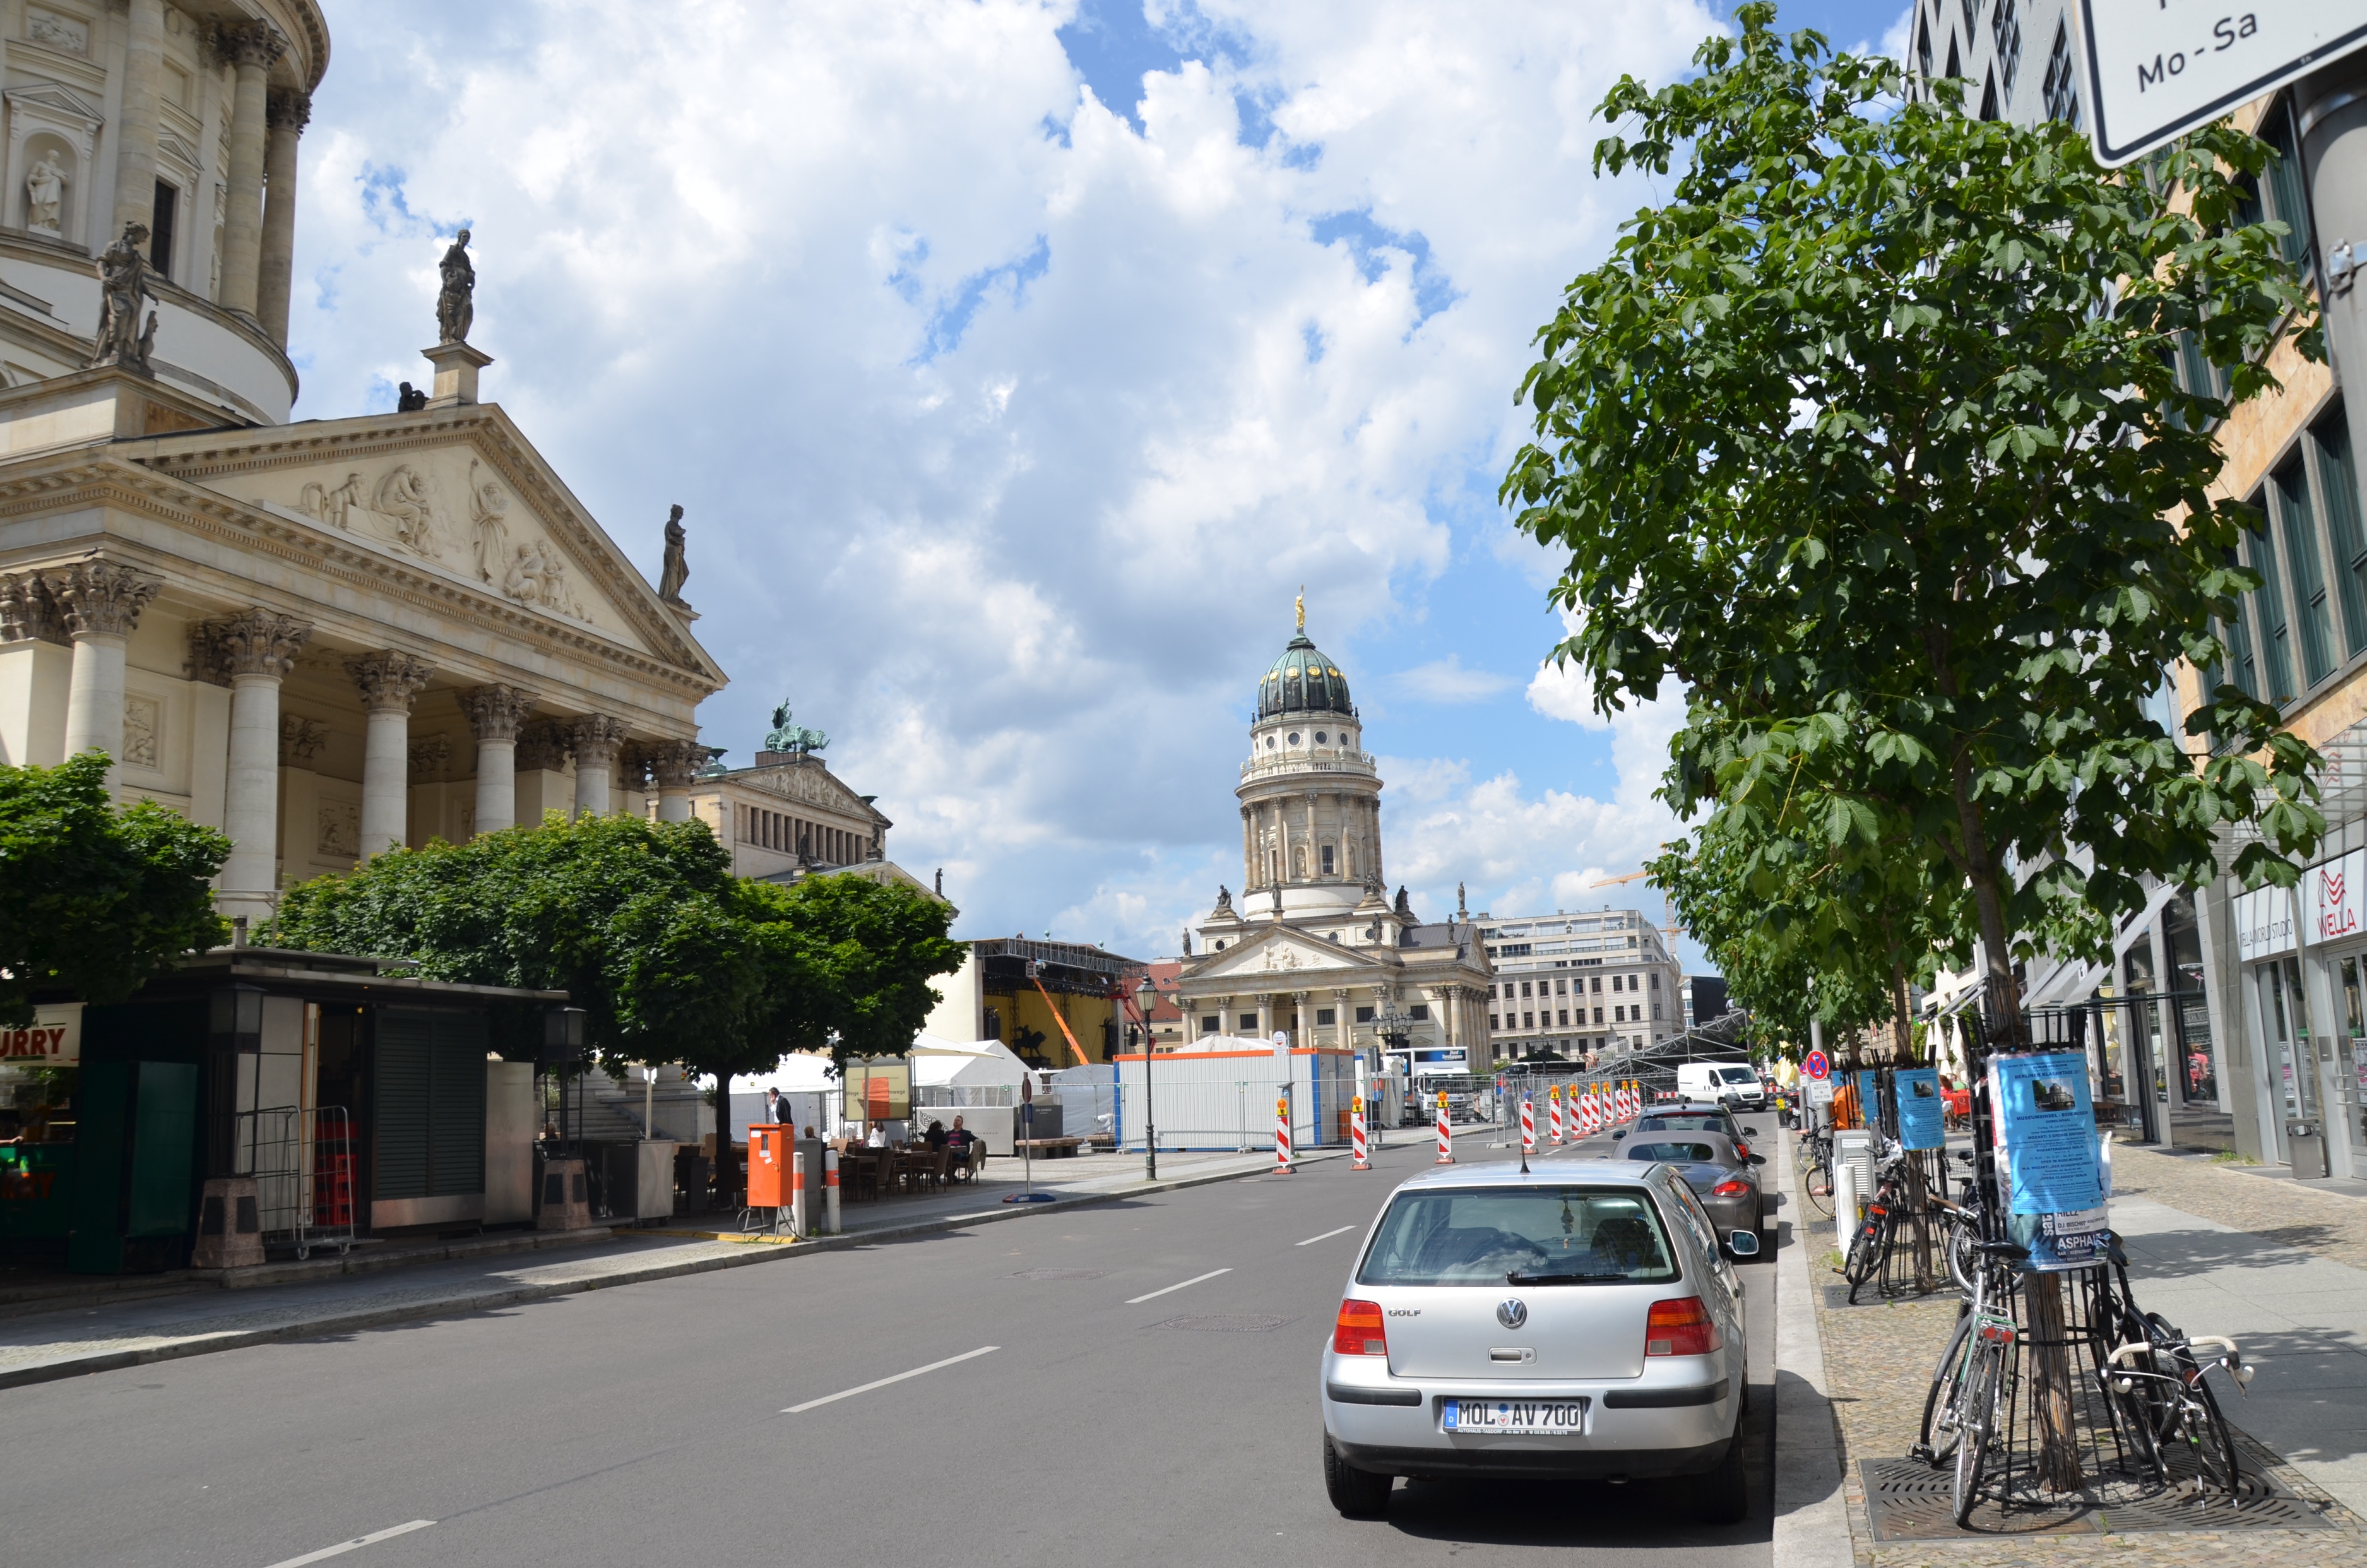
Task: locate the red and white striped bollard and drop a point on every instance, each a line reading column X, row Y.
column 1281, row 1136
column 1358, row 1159
column 1445, row 1134
column 1528, row 1125
column 1553, row 1113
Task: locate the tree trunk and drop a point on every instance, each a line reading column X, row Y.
column 2050, row 1384
column 725, row 1187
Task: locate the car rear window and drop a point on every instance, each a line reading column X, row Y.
column 1674, row 1154
column 1572, row 1235
column 1681, row 1123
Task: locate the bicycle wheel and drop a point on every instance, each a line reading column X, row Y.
column 1816, row 1182
column 1943, row 1408
column 1868, row 1248
column 1962, row 1261
column 2216, row 1466
column 1972, row 1439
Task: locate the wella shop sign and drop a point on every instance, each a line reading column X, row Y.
column 2337, row 887
column 53, row 1040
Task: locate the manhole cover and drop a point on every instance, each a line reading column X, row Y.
column 1058, row 1274
column 1907, row 1500
column 1225, row 1323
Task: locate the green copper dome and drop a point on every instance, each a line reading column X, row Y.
column 1303, row 681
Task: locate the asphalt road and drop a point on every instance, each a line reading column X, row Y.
column 1128, row 1409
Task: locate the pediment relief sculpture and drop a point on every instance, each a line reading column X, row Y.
column 811, row 786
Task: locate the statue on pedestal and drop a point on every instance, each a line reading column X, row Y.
column 677, row 569
column 456, row 307
column 45, row 192
column 123, row 289
column 794, row 738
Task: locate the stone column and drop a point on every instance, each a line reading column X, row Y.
column 258, row 649
column 675, row 764
column 286, row 117
column 1249, row 853
column 1342, row 1035
column 493, row 713
column 595, row 740
column 388, row 681
column 135, row 123
column 1266, row 1018
column 36, row 672
column 102, row 601
column 252, row 47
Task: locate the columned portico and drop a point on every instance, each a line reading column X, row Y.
column 494, row 712
column 101, row 601
column 289, row 113
column 595, row 740
column 256, row 649
column 387, row 681
column 674, row 763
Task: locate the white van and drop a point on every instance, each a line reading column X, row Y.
column 1728, row 1083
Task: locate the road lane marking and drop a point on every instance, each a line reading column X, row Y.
column 344, row 1546
column 1133, row 1300
column 1324, row 1237
column 883, row 1382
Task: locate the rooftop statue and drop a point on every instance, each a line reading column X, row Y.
column 122, row 288
column 456, row 306
column 794, row 738
column 678, row 570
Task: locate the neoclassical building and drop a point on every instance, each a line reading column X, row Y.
column 1314, row 947
column 324, row 638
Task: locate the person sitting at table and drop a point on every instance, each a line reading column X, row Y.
column 876, row 1137
column 936, row 1136
column 966, row 1145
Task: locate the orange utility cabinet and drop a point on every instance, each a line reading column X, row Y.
column 770, row 1145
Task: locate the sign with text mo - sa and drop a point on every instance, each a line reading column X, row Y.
column 2158, row 68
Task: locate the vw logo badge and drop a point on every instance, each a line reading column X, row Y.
column 1513, row 1314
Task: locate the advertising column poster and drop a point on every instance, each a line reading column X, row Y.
column 1922, row 1121
column 2048, row 1156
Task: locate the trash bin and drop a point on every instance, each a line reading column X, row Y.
column 2305, row 1147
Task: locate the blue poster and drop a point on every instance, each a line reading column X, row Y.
column 1869, row 1098
column 2048, row 1128
column 1922, row 1120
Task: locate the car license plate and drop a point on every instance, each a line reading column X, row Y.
column 1514, row 1417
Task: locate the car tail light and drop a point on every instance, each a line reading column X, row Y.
column 1358, row 1332
column 1741, row 1150
column 1677, row 1328
column 1729, row 1189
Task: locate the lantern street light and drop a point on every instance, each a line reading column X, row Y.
column 1145, row 996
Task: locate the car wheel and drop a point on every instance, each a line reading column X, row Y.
column 1726, row 1492
column 1357, row 1493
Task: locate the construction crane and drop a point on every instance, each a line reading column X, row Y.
column 1615, row 881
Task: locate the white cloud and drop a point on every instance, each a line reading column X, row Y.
column 1895, row 36
column 1007, row 431
column 1445, row 680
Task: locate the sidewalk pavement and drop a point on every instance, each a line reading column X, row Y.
column 1812, row 1527
column 2298, row 1311
column 195, row 1317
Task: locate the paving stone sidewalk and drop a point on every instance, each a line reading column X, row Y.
column 1878, row 1363
column 2331, row 1224
column 101, row 1336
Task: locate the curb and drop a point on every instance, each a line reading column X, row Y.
column 1812, row 1521
column 517, row 1295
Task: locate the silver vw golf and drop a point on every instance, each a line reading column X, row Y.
column 1577, row 1321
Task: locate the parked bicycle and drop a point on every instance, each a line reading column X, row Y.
column 1816, row 1169
column 1966, row 1415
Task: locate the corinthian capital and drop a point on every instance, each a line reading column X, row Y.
column 260, row 642
column 291, row 110
column 251, row 43
column 28, row 610
column 495, row 712
column 594, row 739
column 676, row 763
column 389, row 680
column 103, row 596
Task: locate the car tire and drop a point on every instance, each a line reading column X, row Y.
column 1357, row 1493
column 1726, row 1491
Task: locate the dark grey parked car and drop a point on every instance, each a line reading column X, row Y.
column 1724, row 1179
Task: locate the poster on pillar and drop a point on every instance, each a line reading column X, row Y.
column 2335, row 891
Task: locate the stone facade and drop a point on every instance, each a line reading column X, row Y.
column 788, row 814
column 1579, row 984
column 1315, row 948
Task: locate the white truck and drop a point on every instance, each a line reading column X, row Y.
column 1728, row 1083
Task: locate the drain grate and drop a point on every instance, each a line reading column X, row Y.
column 1057, row 1274
column 1225, row 1323
column 1907, row 1500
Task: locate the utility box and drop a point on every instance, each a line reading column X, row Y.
column 640, row 1179
column 769, row 1148
column 566, row 1196
column 512, row 1119
column 2305, row 1147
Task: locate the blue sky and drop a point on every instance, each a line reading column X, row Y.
column 1015, row 362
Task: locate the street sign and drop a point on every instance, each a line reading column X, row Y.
column 2158, row 68
column 1816, row 1067
column 1820, row 1091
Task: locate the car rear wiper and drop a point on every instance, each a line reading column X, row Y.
column 1517, row 1278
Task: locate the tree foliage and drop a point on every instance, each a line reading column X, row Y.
column 1869, row 436
column 100, row 897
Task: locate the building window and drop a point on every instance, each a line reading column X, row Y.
column 1955, row 67
column 1656, row 980
column 1325, row 1017
column 1525, row 988
column 2297, row 521
column 2269, row 615
column 1561, row 987
column 1598, row 983
column 1210, row 1023
column 2061, row 88
column 1363, row 1015
column 1923, row 43
column 1598, row 1014
column 1491, row 1021
column 1248, row 1022
column 2338, row 482
column 1972, row 17
column 2287, row 200
column 1528, row 1021
column 1990, row 96
column 160, row 230
column 1327, row 859
column 2005, row 25
column 1656, row 1009
column 1565, row 1016
column 1419, row 1012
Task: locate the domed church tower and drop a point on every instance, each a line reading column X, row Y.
column 1310, row 798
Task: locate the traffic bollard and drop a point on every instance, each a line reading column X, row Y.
column 1281, row 1136
column 801, row 1208
column 829, row 1191
column 1528, row 1125
column 1359, row 1160
column 1445, row 1134
column 1553, row 1113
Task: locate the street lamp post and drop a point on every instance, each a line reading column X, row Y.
column 1145, row 996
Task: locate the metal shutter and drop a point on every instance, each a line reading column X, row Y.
column 405, row 1050
column 456, row 1108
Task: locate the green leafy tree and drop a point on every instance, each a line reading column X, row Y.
column 100, row 897
column 1869, row 436
column 848, row 963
